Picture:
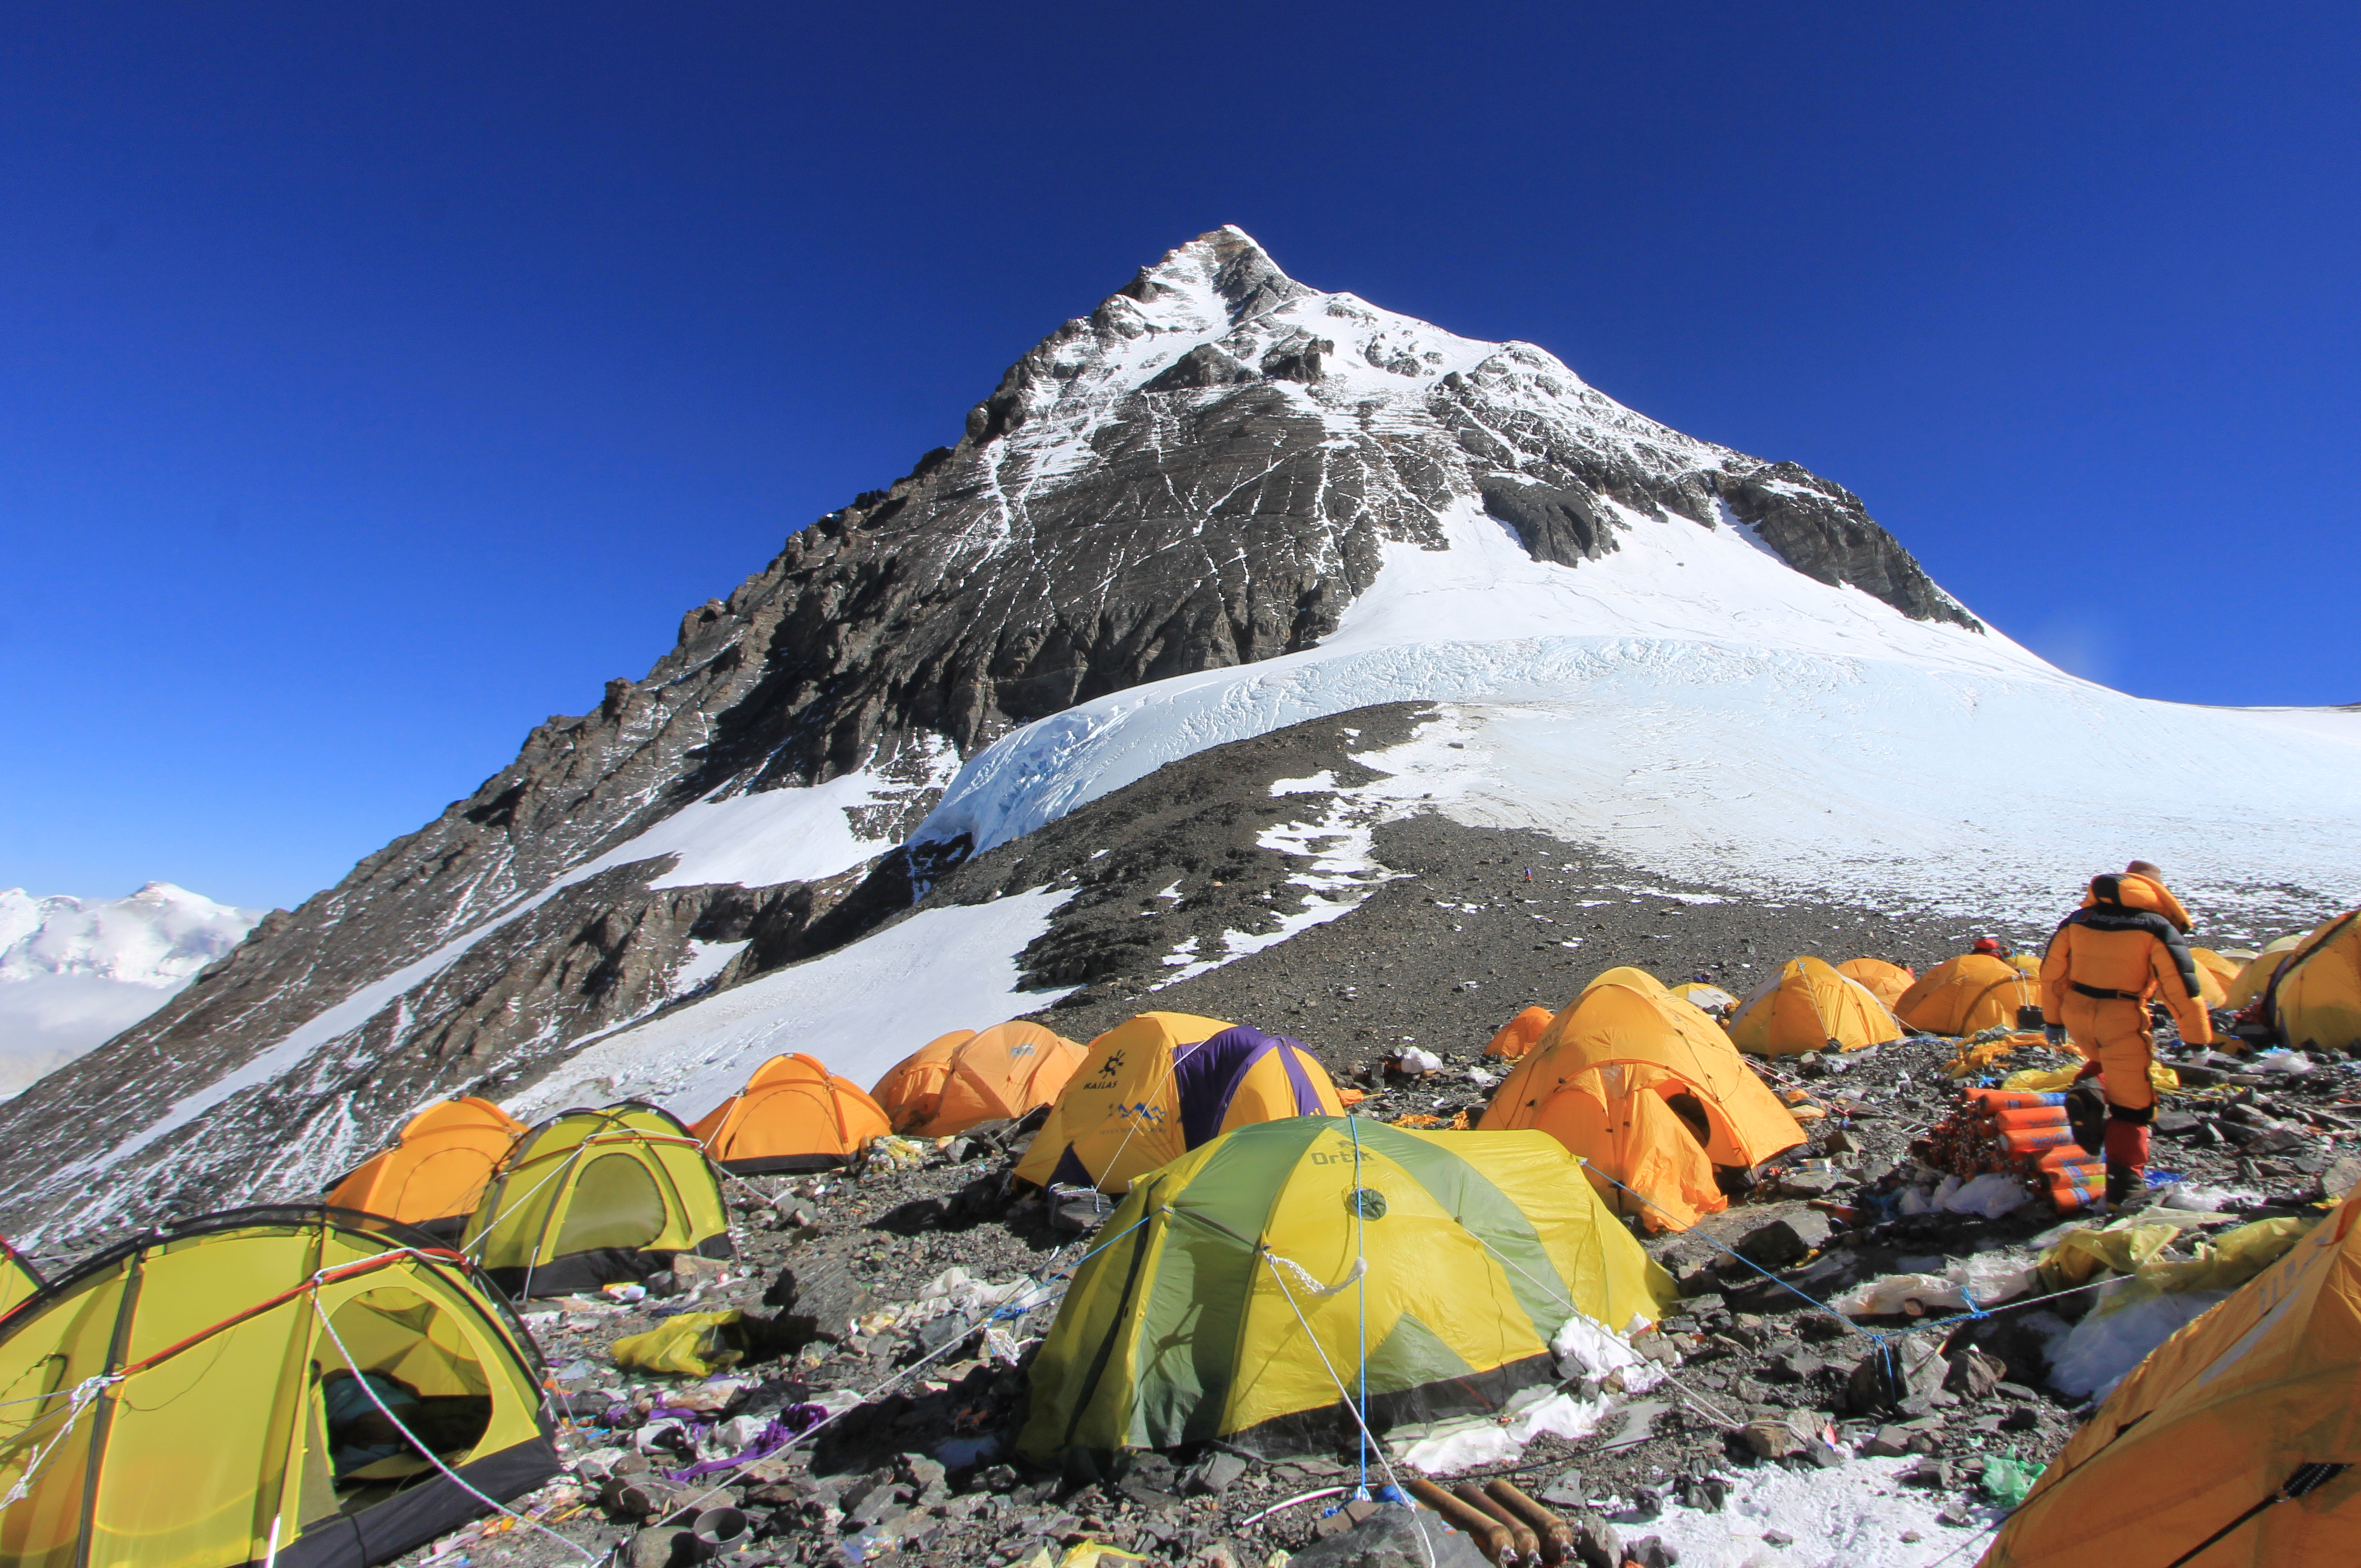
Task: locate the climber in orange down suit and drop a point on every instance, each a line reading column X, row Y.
column 2107, row 959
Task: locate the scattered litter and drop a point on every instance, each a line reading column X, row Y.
column 1445, row 1448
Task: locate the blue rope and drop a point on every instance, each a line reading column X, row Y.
column 1361, row 1299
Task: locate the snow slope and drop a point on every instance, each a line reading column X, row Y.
column 74, row 972
column 860, row 1009
column 1701, row 706
column 752, row 839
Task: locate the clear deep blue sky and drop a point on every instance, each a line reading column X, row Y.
column 376, row 380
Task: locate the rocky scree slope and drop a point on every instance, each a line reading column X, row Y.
column 1202, row 473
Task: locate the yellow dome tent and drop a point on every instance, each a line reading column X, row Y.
column 1808, row 1007
column 20, row 1282
column 1651, row 1094
column 1160, row 1084
column 590, row 1196
column 2255, row 975
column 951, row 1084
column 1886, row 982
column 1231, row 1282
column 265, row 1367
column 437, row 1169
column 793, row 1114
column 1518, row 1034
column 2315, row 1000
column 2233, row 1443
column 1967, row 995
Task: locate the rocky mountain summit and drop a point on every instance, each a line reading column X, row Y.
column 1205, row 472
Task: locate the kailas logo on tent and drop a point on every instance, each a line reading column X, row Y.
column 1109, row 1069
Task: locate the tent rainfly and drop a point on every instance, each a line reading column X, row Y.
column 285, row 1385
column 591, row 1197
column 1163, row 1083
column 436, row 1172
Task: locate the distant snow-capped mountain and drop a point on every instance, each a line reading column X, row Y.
column 75, row 971
column 1223, row 504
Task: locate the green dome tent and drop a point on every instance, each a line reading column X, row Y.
column 1236, row 1286
column 593, row 1196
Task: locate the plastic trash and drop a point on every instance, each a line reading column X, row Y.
column 624, row 1291
column 1415, row 1062
column 1590, row 1352
column 1987, row 1277
column 2007, row 1480
column 694, row 1344
column 2082, row 1255
column 1991, row 1195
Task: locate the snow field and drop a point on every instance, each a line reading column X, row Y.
column 1695, row 704
column 860, row 1009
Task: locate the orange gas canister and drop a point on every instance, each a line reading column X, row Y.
column 1991, row 1102
column 2034, row 1140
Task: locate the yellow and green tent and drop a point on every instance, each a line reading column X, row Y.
column 238, row 1389
column 18, row 1279
column 590, row 1196
column 1234, row 1279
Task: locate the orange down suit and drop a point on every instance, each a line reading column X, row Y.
column 2121, row 948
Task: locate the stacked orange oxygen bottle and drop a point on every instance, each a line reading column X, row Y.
column 2035, row 1136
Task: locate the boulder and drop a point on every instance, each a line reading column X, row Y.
column 1392, row 1537
column 1217, row 1471
column 1910, row 1368
column 1790, row 1238
column 817, row 1300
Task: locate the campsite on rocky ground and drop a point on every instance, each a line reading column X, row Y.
column 1317, row 946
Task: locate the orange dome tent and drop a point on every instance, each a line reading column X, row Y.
column 2232, row 1443
column 436, row 1171
column 2215, row 975
column 1652, row 1095
column 1886, row 982
column 1968, row 994
column 1808, row 1007
column 793, row 1114
column 951, row 1084
column 1518, row 1034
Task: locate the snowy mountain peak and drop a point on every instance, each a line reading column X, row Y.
column 1219, row 470
column 158, row 937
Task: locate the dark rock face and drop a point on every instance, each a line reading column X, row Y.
column 1822, row 530
column 1206, row 472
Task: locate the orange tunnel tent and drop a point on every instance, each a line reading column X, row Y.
column 1968, row 995
column 1808, row 1007
column 1518, row 1034
column 437, row 1171
column 1886, row 982
column 1651, row 1094
column 793, row 1114
column 951, row 1084
column 2233, row 1443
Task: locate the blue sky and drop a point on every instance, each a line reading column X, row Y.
column 376, row 380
